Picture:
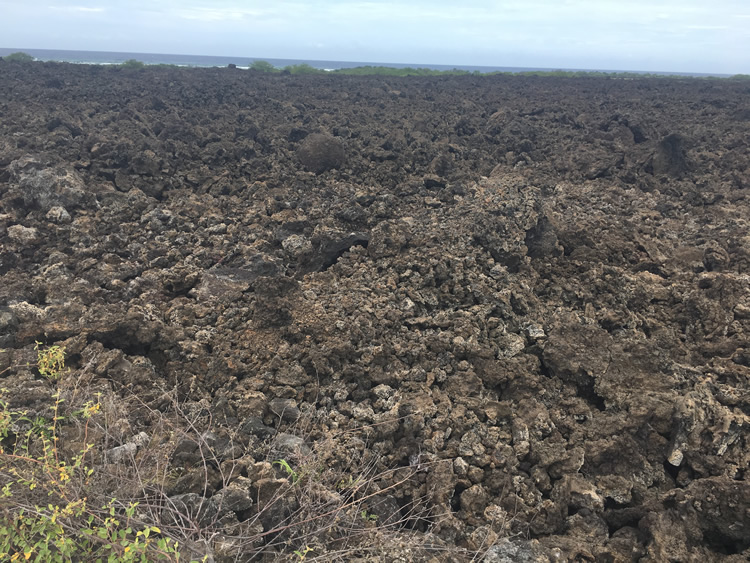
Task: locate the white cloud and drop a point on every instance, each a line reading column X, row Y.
column 216, row 15
column 79, row 9
column 672, row 34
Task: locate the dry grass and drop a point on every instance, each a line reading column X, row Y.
column 302, row 494
column 317, row 503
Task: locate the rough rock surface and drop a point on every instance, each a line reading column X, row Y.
column 533, row 292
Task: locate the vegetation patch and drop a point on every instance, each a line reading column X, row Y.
column 50, row 508
column 370, row 70
column 18, row 57
column 67, row 495
column 132, row 64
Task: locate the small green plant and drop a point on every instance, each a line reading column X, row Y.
column 133, row 64
column 19, row 57
column 263, row 66
column 348, row 482
column 302, row 553
column 284, row 464
column 367, row 517
column 50, row 361
column 46, row 513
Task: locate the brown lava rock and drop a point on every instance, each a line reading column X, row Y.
column 519, row 305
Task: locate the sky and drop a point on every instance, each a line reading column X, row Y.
column 646, row 35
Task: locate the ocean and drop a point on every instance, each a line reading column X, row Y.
column 110, row 58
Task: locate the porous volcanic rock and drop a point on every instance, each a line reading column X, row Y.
column 522, row 303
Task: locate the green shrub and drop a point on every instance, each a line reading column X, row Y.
column 303, row 68
column 133, row 64
column 19, row 57
column 263, row 66
column 49, row 508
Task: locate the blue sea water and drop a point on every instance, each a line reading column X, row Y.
column 108, row 58
column 103, row 57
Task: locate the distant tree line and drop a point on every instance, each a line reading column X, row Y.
column 265, row 66
column 304, row 68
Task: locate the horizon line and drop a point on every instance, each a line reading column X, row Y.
column 375, row 63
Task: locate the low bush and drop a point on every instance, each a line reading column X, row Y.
column 132, row 64
column 50, row 508
column 263, row 66
column 303, row 68
column 18, row 57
